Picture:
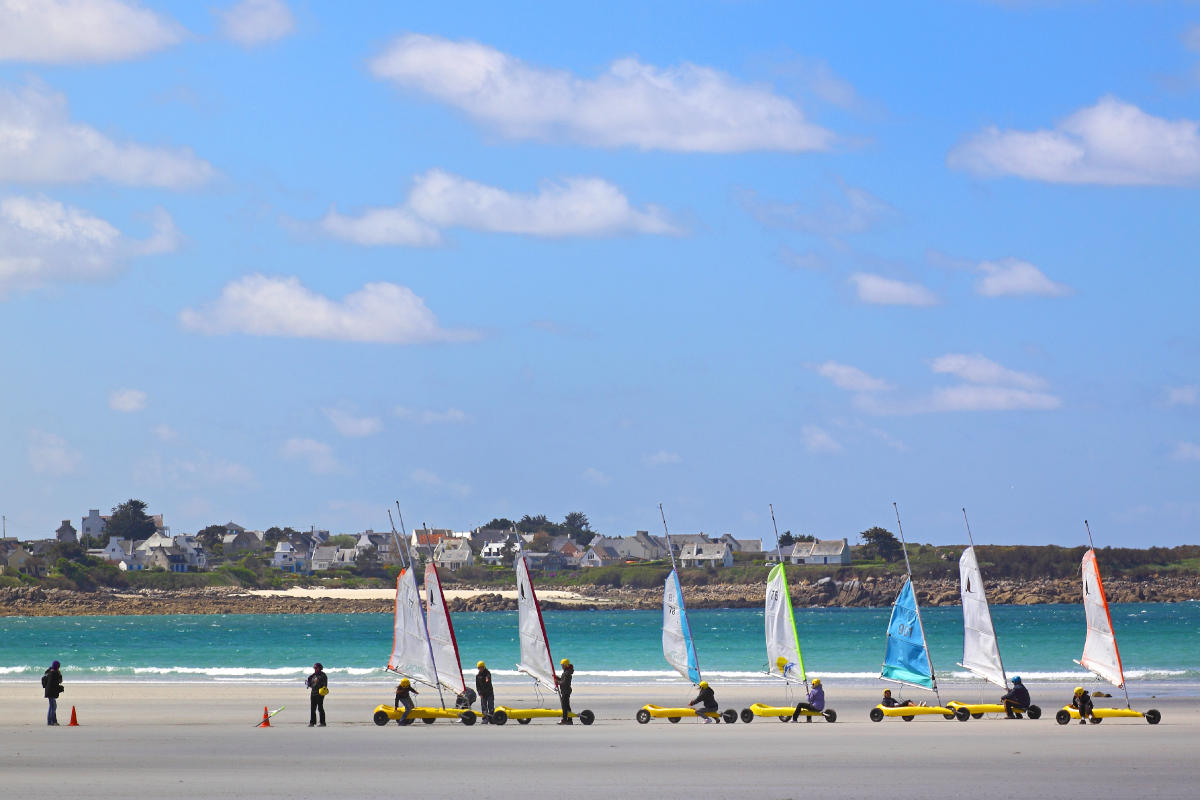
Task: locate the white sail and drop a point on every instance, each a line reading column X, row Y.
column 535, row 650
column 1100, row 653
column 411, row 655
column 981, row 652
column 677, row 635
column 783, row 646
column 441, row 633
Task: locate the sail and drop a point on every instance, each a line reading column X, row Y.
column 535, row 649
column 907, row 659
column 441, row 633
column 783, row 646
column 677, row 635
column 981, row 652
column 410, row 646
column 1100, row 653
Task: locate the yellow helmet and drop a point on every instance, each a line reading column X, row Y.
column 324, row 690
column 564, row 662
column 781, row 662
column 703, row 684
column 479, row 665
column 405, row 683
column 816, row 681
column 1078, row 690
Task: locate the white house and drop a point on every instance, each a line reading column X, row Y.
column 821, row 551
column 453, row 554
column 706, row 554
column 324, row 558
column 192, row 549
column 493, row 553
column 600, row 556
column 288, row 558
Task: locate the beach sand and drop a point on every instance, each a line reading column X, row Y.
column 198, row 740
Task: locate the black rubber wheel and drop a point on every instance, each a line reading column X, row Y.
column 1062, row 717
column 784, row 718
column 876, row 715
column 1096, row 720
column 962, row 714
column 467, row 717
column 642, row 716
column 747, row 716
column 404, row 723
column 1034, row 712
column 830, row 715
column 729, row 715
column 499, row 717
column 381, row 718
column 976, row 716
column 1152, row 716
column 672, row 720
column 587, row 717
column 428, row 720
column 948, row 716
column 909, row 718
column 524, row 721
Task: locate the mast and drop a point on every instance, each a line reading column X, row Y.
column 916, row 605
column 1092, row 547
column 778, row 547
column 670, row 549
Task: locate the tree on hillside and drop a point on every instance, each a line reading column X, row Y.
column 210, row 537
column 534, row 524
column 499, row 524
column 129, row 521
column 579, row 528
column 540, row 542
column 786, row 539
column 882, row 543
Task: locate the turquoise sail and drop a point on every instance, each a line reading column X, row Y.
column 907, row 658
column 678, row 647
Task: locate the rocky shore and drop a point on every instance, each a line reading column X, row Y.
column 825, row 592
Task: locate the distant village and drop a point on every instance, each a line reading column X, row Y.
column 317, row 551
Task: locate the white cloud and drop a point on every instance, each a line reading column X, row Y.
column 1191, row 38
column 44, row 242
column 660, row 458
column 1186, row 451
column 379, row 312
column 1112, row 142
column 201, row 470
column 574, row 207
column 431, row 480
column 819, row 440
column 850, row 210
column 978, row 369
column 878, row 290
column 684, row 108
column 1183, row 395
column 255, row 22
column 595, row 477
column 1010, row 277
column 991, row 398
column 40, row 143
column 50, row 454
column 164, row 432
column 127, row 400
column 431, row 417
column 851, row 378
column 81, row 31
column 349, row 425
column 318, row 456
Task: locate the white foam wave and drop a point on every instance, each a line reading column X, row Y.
column 15, row 670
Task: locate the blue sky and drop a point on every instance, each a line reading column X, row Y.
column 284, row 263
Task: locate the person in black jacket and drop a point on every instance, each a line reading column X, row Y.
column 564, row 690
column 1016, row 700
column 404, row 692
column 707, row 698
column 316, row 697
column 1081, row 701
column 487, row 700
column 53, row 684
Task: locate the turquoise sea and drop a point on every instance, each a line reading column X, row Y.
column 1159, row 643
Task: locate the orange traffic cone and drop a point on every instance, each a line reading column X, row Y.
column 266, row 722
column 74, row 723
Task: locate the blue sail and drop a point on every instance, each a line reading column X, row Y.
column 678, row 647
column 907, row 659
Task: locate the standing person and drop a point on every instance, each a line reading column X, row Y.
column 816, row 701
column 318, row 685
column 708, row 698
column 564, row 690
column 487, row 700
column 1082, row 702
column 1016, row 700
column 52, row 683
column 404, row 693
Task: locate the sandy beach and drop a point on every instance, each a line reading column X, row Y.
column 199, row 741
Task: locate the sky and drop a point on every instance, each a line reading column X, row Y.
column 284, row 263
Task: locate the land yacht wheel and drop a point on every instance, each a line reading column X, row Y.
column 976, row 716
column 784, row 718
column 962, row 714
column 380, row 718
column 524, row 721
column 1062, row 717
column 673, row 720
column 830, row 715
column 876, row 715
column 1152, row 716
column 587, row 717
column 1034, row 712
column 428, row 720
column 642, row 716
column 909, row 718
column 467, row 717
column 1096, row 720
column 499, row 718
column 747, row 716
column 729, row 715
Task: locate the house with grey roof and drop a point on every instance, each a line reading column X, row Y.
column 706, row 554
column 600, row 555
column 453, row 554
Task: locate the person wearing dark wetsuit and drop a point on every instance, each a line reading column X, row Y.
column 404, row 692
column 316, row 701
column 53, row 684
column 890, row 702
column 1082, row 702
column 1016, row 700
column 564, row 690
column 707, row 698
column 487, row 700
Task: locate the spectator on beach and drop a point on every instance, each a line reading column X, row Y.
column 816, row 701
column 53, row 684
column 1016, row 700
column 564, row 690
column 1082, row 702
column 487, row 700
column 890, row 702
column 708, row 698
column 318, row 685
column 404, row 692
